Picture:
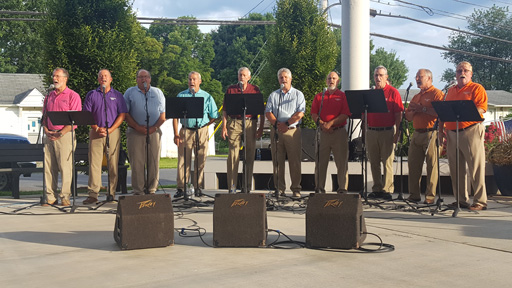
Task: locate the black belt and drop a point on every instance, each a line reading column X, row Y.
column 462, row 129
column 339, row 127
column 240, row 117
column 424, row 130
column 380, row 128
column 195, row 128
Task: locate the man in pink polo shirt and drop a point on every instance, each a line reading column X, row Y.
column 57, row 144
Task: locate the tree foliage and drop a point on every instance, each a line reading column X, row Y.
column 20, row 41
column 301, row 42
column 397, row 70
column 494, row 22
column 239, row 46
column 86, row 36
column 183, row 49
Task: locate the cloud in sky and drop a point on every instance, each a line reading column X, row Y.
column 415, row 57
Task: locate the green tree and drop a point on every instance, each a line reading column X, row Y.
column 86, row 36
column 300, row 41
column 494, row 22
column 20, row 41
column 184, row 49
column 397, row 70
column 239, row 46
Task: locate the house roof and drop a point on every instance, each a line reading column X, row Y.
column 15, row 87
column 497, row 98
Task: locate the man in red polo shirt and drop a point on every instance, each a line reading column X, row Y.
column 233, row 131
column 383, row 131
column 330, row 111
column 471, row 148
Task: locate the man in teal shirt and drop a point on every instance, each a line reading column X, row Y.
column 194, row 127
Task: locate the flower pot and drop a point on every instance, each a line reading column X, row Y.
column 503, row 178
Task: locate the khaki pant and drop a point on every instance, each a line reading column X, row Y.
column 381, row 149
column 416, row 155
column 235, row 134
column 289, row 143
column 58, row 158
column 471, row 151
column 200, row 156
column 136, row 144
column 337, row 142
column 97, row 148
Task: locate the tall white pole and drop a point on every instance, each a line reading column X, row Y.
column 355, row 44
column 355, row 48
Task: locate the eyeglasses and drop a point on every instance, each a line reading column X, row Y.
column 58, row 76
column 460, row 71
column 143, row 77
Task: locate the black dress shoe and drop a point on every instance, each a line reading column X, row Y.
column 387, row 196
column 376, row 195
column 179, row 193
column 198, row 193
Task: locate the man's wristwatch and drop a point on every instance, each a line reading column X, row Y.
column 424, row 109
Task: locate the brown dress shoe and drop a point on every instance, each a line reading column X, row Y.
column 296, row 194
column 477, row 207
column 56, row 202
column 65, row 202
column 428, row 201
column 90, row 200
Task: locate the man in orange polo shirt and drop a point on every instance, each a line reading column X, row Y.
column 330, row 111
column 423, row 117
column 383, row 131
column 471, row 141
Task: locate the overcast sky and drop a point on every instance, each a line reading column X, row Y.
column 445, row 12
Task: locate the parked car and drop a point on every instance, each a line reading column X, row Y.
column 5, row 178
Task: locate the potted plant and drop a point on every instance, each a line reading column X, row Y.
column 498, row 152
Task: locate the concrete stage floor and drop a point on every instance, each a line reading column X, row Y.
column 43, row 247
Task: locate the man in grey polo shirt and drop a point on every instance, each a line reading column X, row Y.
column 135, row 98
column 285, row 109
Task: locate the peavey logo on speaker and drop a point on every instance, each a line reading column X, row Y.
column 147, row 204
column 239, row 203
column 335, row 203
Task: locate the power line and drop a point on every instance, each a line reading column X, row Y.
column 442, row 48
column 446, row 27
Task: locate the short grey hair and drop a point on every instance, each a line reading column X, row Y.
column 64, row 71
column 284, row 70
column 427, row 71
column 194, row 72
column 140, row 70
column 380, row 67
column 244, row 69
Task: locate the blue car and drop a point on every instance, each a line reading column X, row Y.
column 5, row 178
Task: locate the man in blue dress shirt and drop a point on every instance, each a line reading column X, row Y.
column 135, row 98
column 191, row 128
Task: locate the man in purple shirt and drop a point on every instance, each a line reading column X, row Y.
column 115, row 113
column 58, row 141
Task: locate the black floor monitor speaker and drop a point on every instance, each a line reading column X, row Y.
column 144, row 221
column 334, row 221
column 239, row 220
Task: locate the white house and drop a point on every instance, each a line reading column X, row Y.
column 21, row 102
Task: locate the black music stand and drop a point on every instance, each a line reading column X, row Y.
column 244, row 104
column 363, row 102
column 72, row 118
column 186, row 108
column 457, row 111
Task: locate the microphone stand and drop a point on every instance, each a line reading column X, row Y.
column 110, row 197
column 276, row 141
column 317, row 148
column 402, row 129
column 244, row 139
column 146, row 175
